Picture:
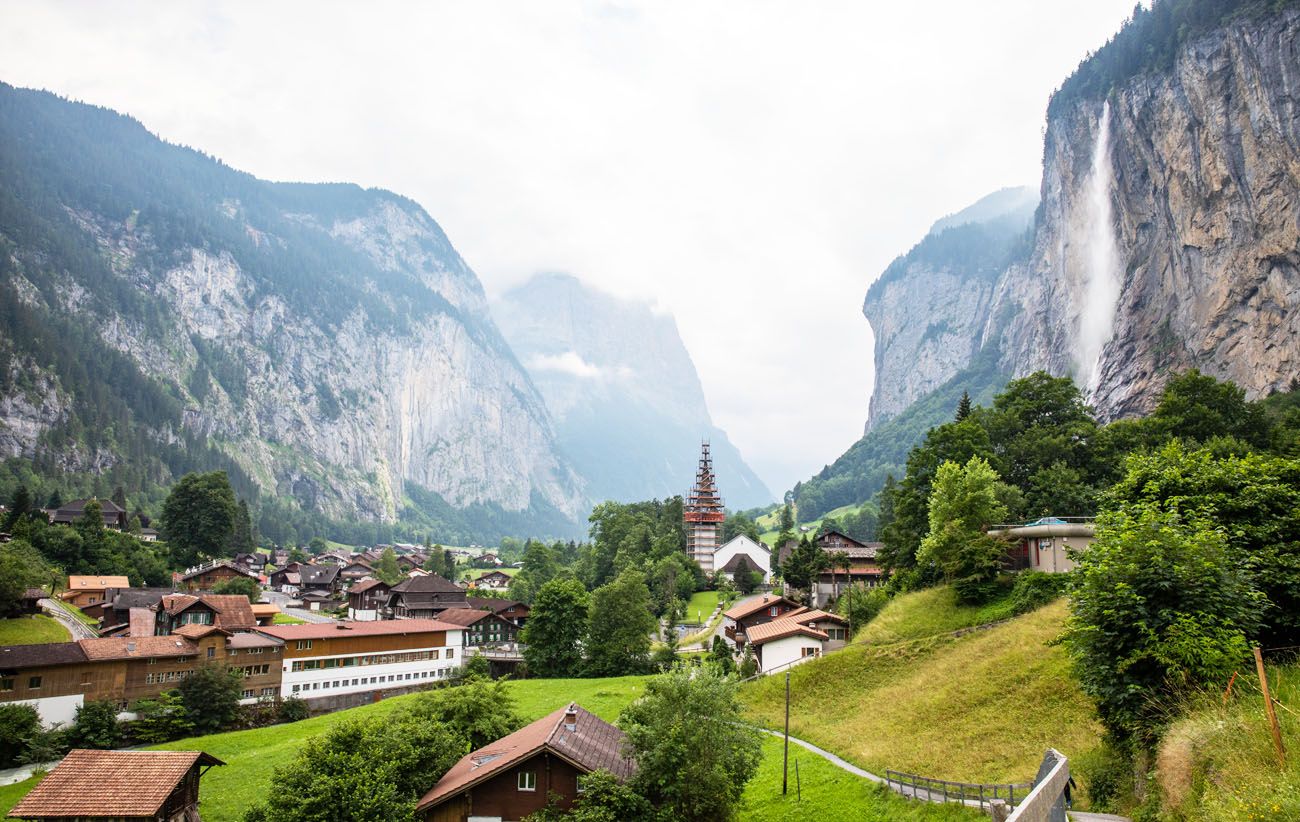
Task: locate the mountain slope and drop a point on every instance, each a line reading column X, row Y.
column 628, row 406
column 326, row 343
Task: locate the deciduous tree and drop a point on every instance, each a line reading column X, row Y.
column 555, row 629
column 198, row 516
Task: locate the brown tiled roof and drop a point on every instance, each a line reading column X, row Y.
column 365, row 585
column 740, row 561
column 464, row 616
column 198, row 631
column 428, row 584
column 779, row 629
column 232, row 610
column 744, row 609
column 225, row 563
column 331, row 630
column 97, row 583
column 34, row 593
column 819, row 615
column 264, row 609
column 48, row 653
column 110, row 784
column 593, row 745
column 136, row 647
column 252, row 640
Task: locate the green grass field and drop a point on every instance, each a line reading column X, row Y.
column 32, row 630
column 822, row 791
column 979, row 708
column 701, row 605
column 769, row 525
column 926, row 613
column 285, row 619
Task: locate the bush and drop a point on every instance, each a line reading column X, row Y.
column 211, row 698
column 293, row 709
column 18, row 725
column 1034, row 589
column 96, row 726
column 161, row 719
column 1106, row 774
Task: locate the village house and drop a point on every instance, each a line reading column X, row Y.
column 520, row 773
column 122, row 786
column 208, row 575
column 254, row 563
column 742, row 552
column 864, row 569
column 1044, row 545
column 230, row 612
column 782, row 643
column 424, row 597
column 334, row 658
column 264, row 612
column 510, row 610
column 287, row 579
column 115, row 517
column 355, row 570
column 493, row 581
column 367, row 598
column 115, row 611
column 480, row 627
column 323, row 580
column 85, row 591
column 740, row 618
column 147, row 535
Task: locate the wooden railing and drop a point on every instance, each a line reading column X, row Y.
column 942, row 790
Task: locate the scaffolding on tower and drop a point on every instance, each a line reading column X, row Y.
column 704, row 513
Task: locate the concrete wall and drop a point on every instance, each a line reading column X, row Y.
column 55, row 710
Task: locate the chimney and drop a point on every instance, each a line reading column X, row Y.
column 571, row 718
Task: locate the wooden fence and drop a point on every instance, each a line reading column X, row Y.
column 974, row 794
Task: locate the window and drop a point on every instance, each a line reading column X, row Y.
column 248, row 693
column 34, row 682
column 451, row 652
column 527, row 781
column 304, row 644
column 212, row 651
column 6, row 684
column 295, row 688
column 153, row 660
column 582, row 783
column 268, row 692
column 433, row 655
column 775, row 610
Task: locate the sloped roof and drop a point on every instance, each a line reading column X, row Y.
column 779, row 629
column 815, row 616
column 465, row 616
column 233, row 611
column 198, row 631
column 46, row 653
column 225, row 563
column 363, row 585
column 428, row 584
column 136, row 647
column 331, row 630
column 318, row 574
column 110, row 784
column 739, row 562
column 97, row 583
column 594, row 744
column 753, row 606
column 493, row 604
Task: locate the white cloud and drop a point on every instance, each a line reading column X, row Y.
column 750, row 166
column 567, row 363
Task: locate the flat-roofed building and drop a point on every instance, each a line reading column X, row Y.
column 329, row 659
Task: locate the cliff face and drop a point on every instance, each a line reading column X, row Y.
column 628, row 405
column 329, row 341
column 1206, row 218
column 928, row 309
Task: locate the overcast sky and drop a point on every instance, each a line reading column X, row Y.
column 748, row 166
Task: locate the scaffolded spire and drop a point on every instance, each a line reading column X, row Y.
column 704, row 513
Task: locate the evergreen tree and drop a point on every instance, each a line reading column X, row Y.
column 387, row 568
column 963, row 407
column 19, row 506
column 241, row 532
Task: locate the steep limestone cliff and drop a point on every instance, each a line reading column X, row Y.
column 327, row 340
column 1206, row 203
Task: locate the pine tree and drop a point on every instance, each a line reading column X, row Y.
column 963, row 407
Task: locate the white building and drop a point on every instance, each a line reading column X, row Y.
column 333, row 658
column 742, row 550
column 783, row 643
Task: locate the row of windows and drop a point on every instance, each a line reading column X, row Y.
column 370, row 659
column 235, row 651
column 166, row 676
column 256, row 670
column 248, row 692
column 527, row 781
column 439, row 673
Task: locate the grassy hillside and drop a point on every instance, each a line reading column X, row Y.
column 980, row 708
column 1217, row 763
column 926, row 613
column 770, row 523
column 32, row 630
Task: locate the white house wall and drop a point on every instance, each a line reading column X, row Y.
column 360, row 678
column 782, row 652
column 54, row 710
column 744, row 545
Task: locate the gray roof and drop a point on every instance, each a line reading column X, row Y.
column 31, row 656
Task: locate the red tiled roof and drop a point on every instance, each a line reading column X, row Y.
column 807, row 616
column 135, row 647
column 737, row 612
column 592, row 745
column 330, row 630
column 233, row 611
column 779, row 629
column 199, row 631
column 97, row 583
column 110, row 784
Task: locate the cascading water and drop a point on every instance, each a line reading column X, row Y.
column 1101, row 281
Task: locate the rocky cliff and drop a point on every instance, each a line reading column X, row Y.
column 1204, row 160
column 628, row 406
column 327, row 340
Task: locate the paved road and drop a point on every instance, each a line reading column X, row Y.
column 283, row 600
column 76, row 627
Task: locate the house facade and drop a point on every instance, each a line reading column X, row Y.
column 493, row 580
column 424, row 597
column 519, row 774
column 367, row 598
column 480, row 627
column 741, row 551
column 208, row 575
column 1044, row 545
column 89, row 590
column 510, row 610
column 330, row 659
column 740, row 618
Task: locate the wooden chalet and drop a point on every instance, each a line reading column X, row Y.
column 355, row 570
column 424, row 597
column 494, row 580
column 124, row 786
column 87, row 590
column 367, row 598
column 510, row 610
column 115, row 610
column 230, row 612
column 740, row 618
column 115, row 517
column 480, row 627
column 520, row 773
column 206, row 576
column 319, row 579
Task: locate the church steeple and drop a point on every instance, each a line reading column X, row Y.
column 704, row 513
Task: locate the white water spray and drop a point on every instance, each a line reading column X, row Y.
column 1101, row 281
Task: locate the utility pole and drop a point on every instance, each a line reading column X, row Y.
column 1268, row 709
column 785, row 757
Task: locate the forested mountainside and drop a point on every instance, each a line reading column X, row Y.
column 627, row 403
column 1168, row 237
column 161, row 312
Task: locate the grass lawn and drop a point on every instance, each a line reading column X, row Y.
column 926, row 613
column 32, row 630
column 251, row 755
column 75, row 611
column 823, row 791
column 770, row 524
column 284, row 619
column 10, row 794
column 979, row 708
column 701, row 605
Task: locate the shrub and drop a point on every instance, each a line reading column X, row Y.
column 96, row 726
column 18, row 724
column 293, row 709
column 1034, row 589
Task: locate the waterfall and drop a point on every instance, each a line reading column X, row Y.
column 1101, row 281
